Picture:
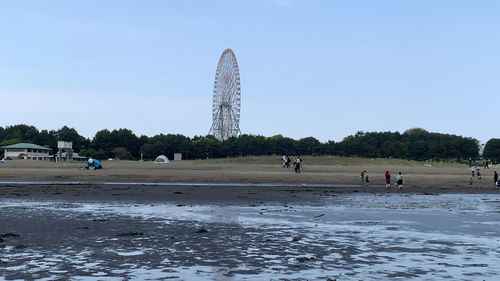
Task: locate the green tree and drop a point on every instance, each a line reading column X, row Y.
column 251, row 145
column 329, row 148
column 122, row 154
column 48, row 139
column 166, row 145
column 308, row 146
column 280, row 145
column 22, row 132
column 96, row 154
column 206, row 147
column 125, row 138
column 70, row 134
column 230, row 147
column 492, row 150
column 103, row 141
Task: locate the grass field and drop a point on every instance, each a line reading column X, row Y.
column 328, row 160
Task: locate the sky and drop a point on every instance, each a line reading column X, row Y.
column 325, row 69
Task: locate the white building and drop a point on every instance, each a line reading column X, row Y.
column 26, row 151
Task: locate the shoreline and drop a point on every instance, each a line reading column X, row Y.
column 217, row 194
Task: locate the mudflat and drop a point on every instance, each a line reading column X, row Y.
column 246, row 219
column 225, row 233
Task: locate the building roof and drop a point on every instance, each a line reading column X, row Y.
column 26, row 145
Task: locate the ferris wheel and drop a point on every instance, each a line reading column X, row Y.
column 227, row 98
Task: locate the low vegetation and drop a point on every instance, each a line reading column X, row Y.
column 330, row 161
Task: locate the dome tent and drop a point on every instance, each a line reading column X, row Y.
column 162, row 159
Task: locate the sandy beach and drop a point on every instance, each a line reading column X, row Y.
column 316, row 170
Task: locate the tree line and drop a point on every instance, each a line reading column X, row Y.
column 413, row 144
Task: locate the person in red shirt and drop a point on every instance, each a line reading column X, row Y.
column 387, row 180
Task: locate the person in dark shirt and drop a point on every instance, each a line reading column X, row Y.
column 297, row 165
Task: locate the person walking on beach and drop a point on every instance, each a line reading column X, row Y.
column 362, row 174
column 478, row 172
column 495, row 179
column 399, row 179
column 387, row 180
column 367, row 179
column 487, row 164
column 472, row 170
column 297, row 165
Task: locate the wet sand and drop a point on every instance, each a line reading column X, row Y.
column 315, row 225
column 303, row 235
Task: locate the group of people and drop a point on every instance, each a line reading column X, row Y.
column 474, row 164
column 365, row 179
column 297, row 164
column 495, row 179
column 475, row 170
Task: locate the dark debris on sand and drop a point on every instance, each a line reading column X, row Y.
column 129, row 234
column 202, row 230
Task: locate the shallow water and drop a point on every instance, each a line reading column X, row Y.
column 219, row 184
column 356, row 236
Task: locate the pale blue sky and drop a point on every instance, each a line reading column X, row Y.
column 308, row 68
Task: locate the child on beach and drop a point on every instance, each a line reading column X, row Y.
column 387, row 180
column 363, row 176
column 367, row 179
column 399, row 179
